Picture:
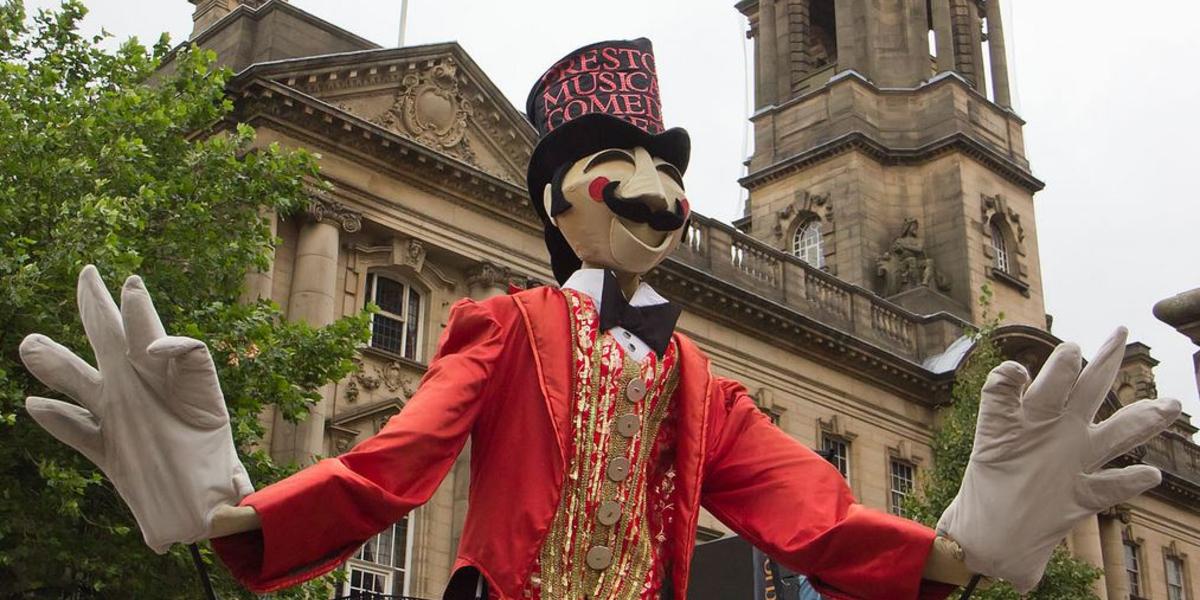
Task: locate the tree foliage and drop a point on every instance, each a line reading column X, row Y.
column 1066, row 578
column 102, row 165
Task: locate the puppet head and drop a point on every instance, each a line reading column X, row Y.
column 605, row 177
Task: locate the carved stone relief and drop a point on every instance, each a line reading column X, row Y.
column 431, row 108
column 410, row 253
column 389, row 376
column 322, row 209
column 997, row 207
column 906, row 265
column 764, row 399
column 805, row 203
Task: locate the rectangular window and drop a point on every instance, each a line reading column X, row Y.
column 1175, row 579
column 1133, row 569
column 396, row 327
column 839, row 453
column 380, row 566
column 901, row 487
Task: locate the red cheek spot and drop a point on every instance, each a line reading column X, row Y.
column 687, row 207
column 596, row 188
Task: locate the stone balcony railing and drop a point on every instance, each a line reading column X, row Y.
column 1173, row 454
column 733, row 257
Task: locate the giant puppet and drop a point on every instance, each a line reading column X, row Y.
column 598, row 431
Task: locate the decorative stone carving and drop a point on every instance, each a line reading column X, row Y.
column 807, row 204
column 997, row 207
column 835, row 425
column 380, row 419
column 343, row 438
column 360, row 378
column 430, row 108
column 764, row 399
column 395, row 380
column 906, row 265
column 390, row 376
column 409, row 253
column 903, row 451
column 322, row 209
column 487, row 279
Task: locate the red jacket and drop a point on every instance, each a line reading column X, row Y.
column 502, row 376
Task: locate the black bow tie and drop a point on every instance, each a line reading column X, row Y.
column 653, row 324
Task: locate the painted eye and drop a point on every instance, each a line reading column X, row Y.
column 596, row 188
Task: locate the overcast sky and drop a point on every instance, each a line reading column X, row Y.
column 1108, row 89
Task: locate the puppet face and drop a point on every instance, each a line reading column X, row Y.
column 621, row 209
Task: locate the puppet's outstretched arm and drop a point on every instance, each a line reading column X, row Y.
column 150, row 414
column 153, row 418
column 1037, row 466
column 1036, row 470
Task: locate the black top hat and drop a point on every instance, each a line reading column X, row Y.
column 604, row 95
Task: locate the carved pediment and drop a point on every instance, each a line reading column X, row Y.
column 433, row 95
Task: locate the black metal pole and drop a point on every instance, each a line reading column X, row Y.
column 970, row 589
column 205, row 582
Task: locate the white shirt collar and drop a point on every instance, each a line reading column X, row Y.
column 591, row 282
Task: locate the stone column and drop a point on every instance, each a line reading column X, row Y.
column 258, row 286
column 943, row 27
column 768, row 40
column 313, row 301
column 996, row 51
column 1085, row 541
column 486, row 280
column 976, row 36
column 1113, row 548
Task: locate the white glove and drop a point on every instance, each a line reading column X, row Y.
column 1033, row 472
column 153, row 417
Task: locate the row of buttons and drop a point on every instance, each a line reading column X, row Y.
column 609, row 512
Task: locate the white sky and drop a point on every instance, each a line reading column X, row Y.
column 1109, row 93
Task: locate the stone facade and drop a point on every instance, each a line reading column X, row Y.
column 907, row 167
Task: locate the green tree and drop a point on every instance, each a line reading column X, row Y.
column 1066, row 578
column 101, row 164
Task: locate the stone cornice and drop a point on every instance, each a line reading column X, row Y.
column 350, row 71
column 320, row 124
column 896, row 156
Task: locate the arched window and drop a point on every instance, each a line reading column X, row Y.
column 397, row 326
column 999, row 248
column 806, row 244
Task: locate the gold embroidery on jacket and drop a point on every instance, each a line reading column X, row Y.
column 602, row 373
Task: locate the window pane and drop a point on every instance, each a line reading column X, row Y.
column 1174, row 579
column 806, row 244
column 1133, row 568
column 999, row 248
column 387, row 333
column 840, row 454
column 902, row 486
column 389, row 295
column 411, row 320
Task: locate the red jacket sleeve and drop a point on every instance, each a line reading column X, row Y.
column 318, row 517
column 793, row 505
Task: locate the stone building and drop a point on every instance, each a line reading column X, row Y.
column 888, row 184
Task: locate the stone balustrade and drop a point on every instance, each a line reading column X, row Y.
column 1173, row 454
column 731, row 256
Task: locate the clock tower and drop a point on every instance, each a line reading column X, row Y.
column 887, row 151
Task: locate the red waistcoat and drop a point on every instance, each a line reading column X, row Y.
column 502, row 375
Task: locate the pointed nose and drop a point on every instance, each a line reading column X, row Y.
column 644, row 186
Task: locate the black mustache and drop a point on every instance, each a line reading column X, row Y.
column 640, row 213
